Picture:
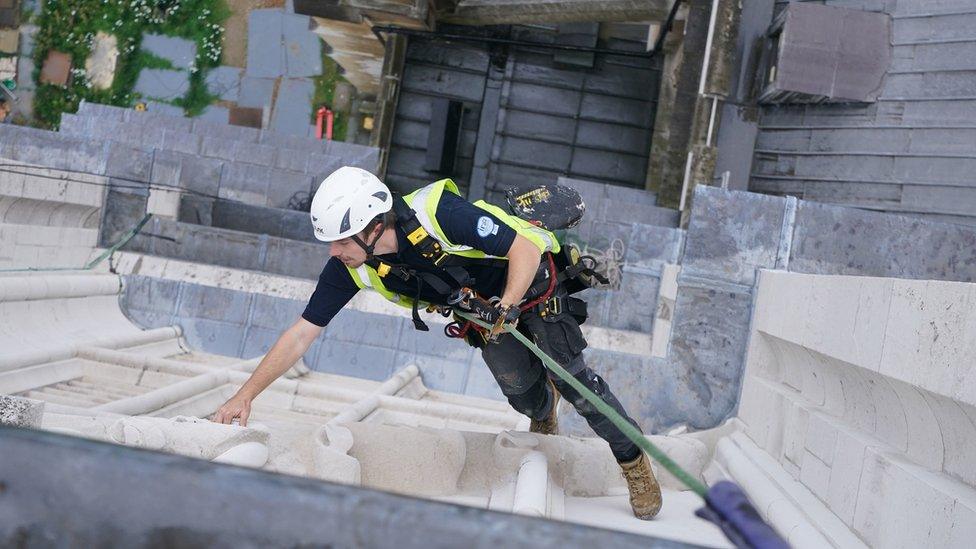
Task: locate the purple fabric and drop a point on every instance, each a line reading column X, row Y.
column 729, row 508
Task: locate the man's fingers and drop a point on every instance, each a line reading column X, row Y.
column 245, row 412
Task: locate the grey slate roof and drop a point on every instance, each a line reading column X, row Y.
column 914, row 150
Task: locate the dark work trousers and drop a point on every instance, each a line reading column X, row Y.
column 522, row 376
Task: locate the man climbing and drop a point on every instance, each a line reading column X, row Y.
column 434, row 248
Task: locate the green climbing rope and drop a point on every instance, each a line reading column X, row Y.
column 628, row 429
column 93, row 263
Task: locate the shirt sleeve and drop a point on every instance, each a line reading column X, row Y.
column 466, row 224
column 334, row 289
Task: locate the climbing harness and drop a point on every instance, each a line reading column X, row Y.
column 726, row 504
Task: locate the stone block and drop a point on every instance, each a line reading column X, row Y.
column 215, row 246
column 321, row 165
column 149, row 319
column 21, row 412
column 180, row 52
column 244, row 217
column 815, row 475
column 288, row 159
column 255, row 153
column 652, row 245
column 208, row 128
column 303, row 48
column 285, row 185
column 127, row 163
column 215, row 113
column 225, row 82
column 165, row 169
column 215, row 147
column 845, row 475
column 265, row 50
column 275, row 313
column 183, row 142
column 201, row 175
column 245, row 183
column 731, row 234
column 256, row 92
column 211, row 336
column 433, row 343
column 890, row 496
column 353, row 326
column 298, row 259
column 258, row 341
column 837, row 240
column 25, row 78
column 709, row 336
column 163, row 203
column 438, row 373
column 296, row 142
column 606, row 234
column 122, row 211
column 163, row 109
column 159, row 120
column 821, row 438
column 634, row 305
column 480, row 382
column 162, row 84
column 297, row 226
column 208, row 302
column 353, row 359
column 196, row 209
column 292, row 112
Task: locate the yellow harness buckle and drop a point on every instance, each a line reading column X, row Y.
column 383, row 269
column 417, row 235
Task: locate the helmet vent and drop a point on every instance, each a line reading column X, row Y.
column 344, row 225
column 381, row 196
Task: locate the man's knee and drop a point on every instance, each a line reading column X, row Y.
column 517, row 382
column 591, row 381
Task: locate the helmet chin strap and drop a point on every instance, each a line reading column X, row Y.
column 369, row 248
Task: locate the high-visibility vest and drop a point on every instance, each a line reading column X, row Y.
column 424, row 202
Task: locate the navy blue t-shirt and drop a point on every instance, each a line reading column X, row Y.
column 462, row 222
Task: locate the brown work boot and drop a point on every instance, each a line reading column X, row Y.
column 550, row 425
column 645, row 492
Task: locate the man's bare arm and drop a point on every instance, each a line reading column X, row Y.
column 291, row 345
column 523, row 262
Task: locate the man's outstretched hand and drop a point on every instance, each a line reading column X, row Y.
column 238, row 407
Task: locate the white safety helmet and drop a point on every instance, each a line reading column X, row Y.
column 346, row 202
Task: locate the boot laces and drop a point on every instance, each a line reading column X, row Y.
column 637, row 480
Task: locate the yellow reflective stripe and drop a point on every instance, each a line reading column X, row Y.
column 360, row 276
column 367, row 278
column 543, row 239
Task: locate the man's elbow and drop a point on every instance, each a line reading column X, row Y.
column 303, row 332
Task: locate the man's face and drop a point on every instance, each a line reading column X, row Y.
column 349, row 252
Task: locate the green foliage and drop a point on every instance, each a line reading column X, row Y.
column 70, row 26
column 325, row 93
column 198, row 97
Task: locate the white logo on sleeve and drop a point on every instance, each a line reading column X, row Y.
column 486, row 226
